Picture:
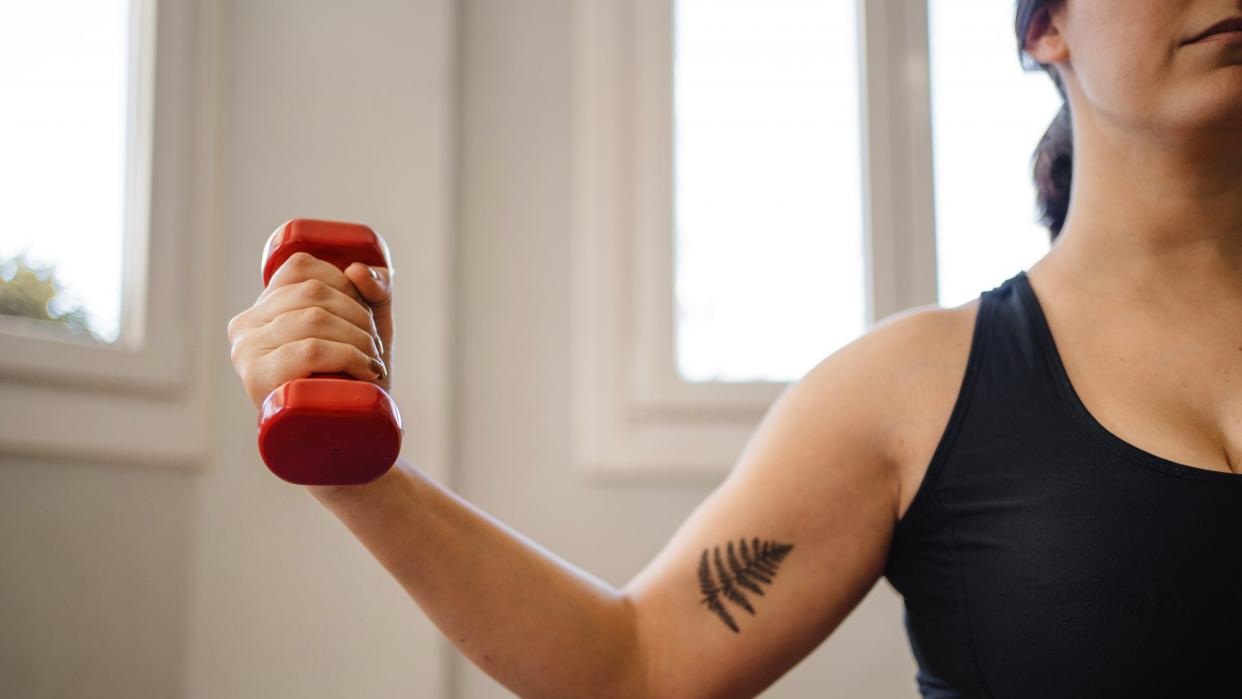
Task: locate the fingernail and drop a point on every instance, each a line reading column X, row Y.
column 379, row 342
column 374, row 274
column 378, row 367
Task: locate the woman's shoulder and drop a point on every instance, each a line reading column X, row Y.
column 903, row 376
column 942, row 328
column 906, row 348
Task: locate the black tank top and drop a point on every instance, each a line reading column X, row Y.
column 1043, row 556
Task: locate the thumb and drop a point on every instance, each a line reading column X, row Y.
column 374, row 283
column 375, row 286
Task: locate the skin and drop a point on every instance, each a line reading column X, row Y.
column 818, row 481
column 1153, row 237
column 1141, row 292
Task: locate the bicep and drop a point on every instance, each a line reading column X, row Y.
column 718, row 616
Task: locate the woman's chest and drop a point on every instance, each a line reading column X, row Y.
column 1075, row 573
column 1172, row 389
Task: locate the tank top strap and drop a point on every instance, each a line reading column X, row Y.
column 1008, row 390
column 1016, row 365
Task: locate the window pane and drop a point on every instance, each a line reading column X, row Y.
column 64, row 73
column 987, row 116
column 769, row 241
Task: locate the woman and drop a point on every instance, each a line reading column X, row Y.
column 1061, row 517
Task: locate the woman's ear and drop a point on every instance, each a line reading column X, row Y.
column 1044, row 40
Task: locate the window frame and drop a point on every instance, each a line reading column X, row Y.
column 632, row 415
column 144, row 398
column 149, row 356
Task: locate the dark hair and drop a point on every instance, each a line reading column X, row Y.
column 1052, row 162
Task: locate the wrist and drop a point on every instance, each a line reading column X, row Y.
column 334, row 494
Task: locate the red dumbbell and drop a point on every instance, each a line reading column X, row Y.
column 328, row 429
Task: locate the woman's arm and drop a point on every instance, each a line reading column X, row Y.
column 758, row 575
column 536, row 623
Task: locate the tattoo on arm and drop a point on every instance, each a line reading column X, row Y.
column 757, row 565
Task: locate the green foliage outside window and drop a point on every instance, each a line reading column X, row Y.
column 32, row 291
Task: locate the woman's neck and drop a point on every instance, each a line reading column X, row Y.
column 1157, row 215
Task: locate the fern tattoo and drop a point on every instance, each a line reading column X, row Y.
column 757, row 564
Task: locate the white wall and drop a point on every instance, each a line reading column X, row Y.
column 333, row 110
column 94, row 579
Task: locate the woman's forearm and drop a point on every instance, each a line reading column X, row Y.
column 537, row 624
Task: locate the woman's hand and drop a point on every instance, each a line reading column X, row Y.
column 314, row 319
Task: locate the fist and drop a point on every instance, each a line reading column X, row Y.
column 314, row 319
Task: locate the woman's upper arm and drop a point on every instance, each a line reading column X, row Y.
column 818, row 480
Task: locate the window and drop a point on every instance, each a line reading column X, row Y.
column 755, row 185
column 767, row 194
column 67, row 76
column 118, row 197
column 987, row 116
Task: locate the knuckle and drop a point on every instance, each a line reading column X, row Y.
column 315, row 289
column 234, row 325
column 249, row 377
column 300, row 260
column 246, row 374
column 311, row 350
column 316, row 317
column 235, row 355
